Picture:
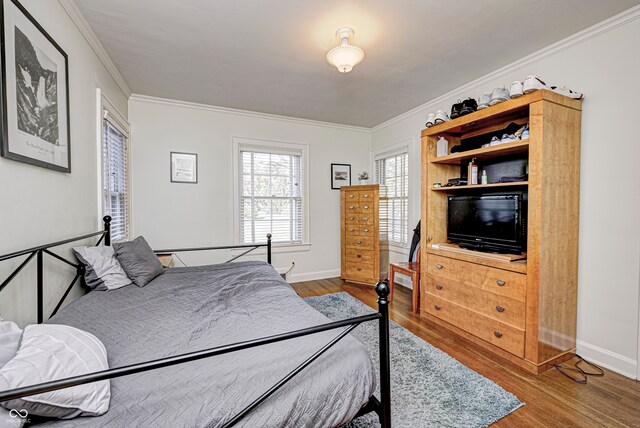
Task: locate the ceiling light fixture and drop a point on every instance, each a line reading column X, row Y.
column 345, row 56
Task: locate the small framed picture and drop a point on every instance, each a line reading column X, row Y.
column 340, row 175
column 184, row 167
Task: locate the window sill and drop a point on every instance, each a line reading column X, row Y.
column 275, row 249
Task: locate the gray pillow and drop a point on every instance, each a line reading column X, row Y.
column 102, row 269
column 138, row 260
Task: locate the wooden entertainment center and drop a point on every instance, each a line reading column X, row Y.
column 524, row 311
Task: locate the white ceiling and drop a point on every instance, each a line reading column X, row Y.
column 269, row 56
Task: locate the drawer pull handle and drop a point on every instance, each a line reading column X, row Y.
column 358, row 269
column 358, row 242
column 438, row 287
column 351, row 196
column 351, row 218
column 350, row 207
column 366, row 195
column 500, row 282
column 366, row 219
column 352, row 230
column 366, row 230
column 359, row 256
column 437, row 307
column 498, row 334
column 366, row 207
column 439, row 266
column 499, row 309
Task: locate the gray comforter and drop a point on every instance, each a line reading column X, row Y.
column 188, row 309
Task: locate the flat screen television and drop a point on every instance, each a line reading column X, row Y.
column 490, row 223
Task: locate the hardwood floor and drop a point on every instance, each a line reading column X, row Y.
column 551, row 399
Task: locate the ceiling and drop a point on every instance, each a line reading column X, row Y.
column 269, row 56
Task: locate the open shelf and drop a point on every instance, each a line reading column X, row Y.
column 483, row 154
column 478, row 186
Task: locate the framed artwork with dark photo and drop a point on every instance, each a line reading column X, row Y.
column 184, row 167
column 340, row 175
column 35, row 92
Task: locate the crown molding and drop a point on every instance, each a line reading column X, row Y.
column 238, row 112
column 85, row 29
column 566, row 43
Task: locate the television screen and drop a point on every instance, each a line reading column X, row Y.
column 489, row 222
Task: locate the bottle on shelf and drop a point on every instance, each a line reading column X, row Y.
column 472, row 173
column 485, row 178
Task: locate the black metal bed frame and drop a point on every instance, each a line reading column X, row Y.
column 382, row 407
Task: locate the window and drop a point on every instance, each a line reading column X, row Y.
column 115, row 181
column 271, row 194
column 393, row 172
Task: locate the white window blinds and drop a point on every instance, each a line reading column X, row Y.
column 115, row 180
column 271, row 196
column 393, row 172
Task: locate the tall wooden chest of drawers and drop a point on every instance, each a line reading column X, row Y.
column 363, row 233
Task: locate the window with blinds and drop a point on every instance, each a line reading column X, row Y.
column 115, row 179
column 393, row 171
column 271, row 193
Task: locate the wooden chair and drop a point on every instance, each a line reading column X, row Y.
column 411, row 269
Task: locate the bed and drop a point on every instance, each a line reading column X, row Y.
column 194, row 308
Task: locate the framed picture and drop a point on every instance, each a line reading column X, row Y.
column 340, row 175
column 184, row 167
column 35, row 92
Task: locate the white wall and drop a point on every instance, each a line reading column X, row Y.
column 42, row 206
column 171, row 214
column 605, row 67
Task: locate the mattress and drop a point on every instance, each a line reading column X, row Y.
column 189, row 309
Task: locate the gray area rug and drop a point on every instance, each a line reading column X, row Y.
column 428, row 387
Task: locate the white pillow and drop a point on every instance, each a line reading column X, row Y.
column 50, row 352
column 9, row 341
column 103, row 270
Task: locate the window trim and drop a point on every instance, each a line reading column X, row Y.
column 244, row 143
column 107, row 110
column 402, row 146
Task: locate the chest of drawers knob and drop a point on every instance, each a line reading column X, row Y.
column 439, row 266
column 359, row 256
column 437, row 307
column 366, row 218
column 497, row 334
column 366, row 207
column 358, row 242
column 366, row 195
column 352, row 218
column 358, row 269
column 438, row 287
column 352, row 230
column 350, row 207
column 499, row 309
column 366, row 230
column 351, row 196
column 500, row 282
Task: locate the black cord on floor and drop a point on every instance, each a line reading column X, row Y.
column 579, row 374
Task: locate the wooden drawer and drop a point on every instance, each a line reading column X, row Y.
column 359, row 269
column 366, row 195
column 359, row 218
column 507, row 337
column 359, row 256
column 359, row 229
column 352, row 207
column 498, row 307
column 361, row 242
column 351, row 196
column 497, row 281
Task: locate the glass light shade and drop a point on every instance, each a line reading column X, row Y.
column 345, row 57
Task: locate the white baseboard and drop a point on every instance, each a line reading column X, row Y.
column 615, row 362
column 311, row 276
